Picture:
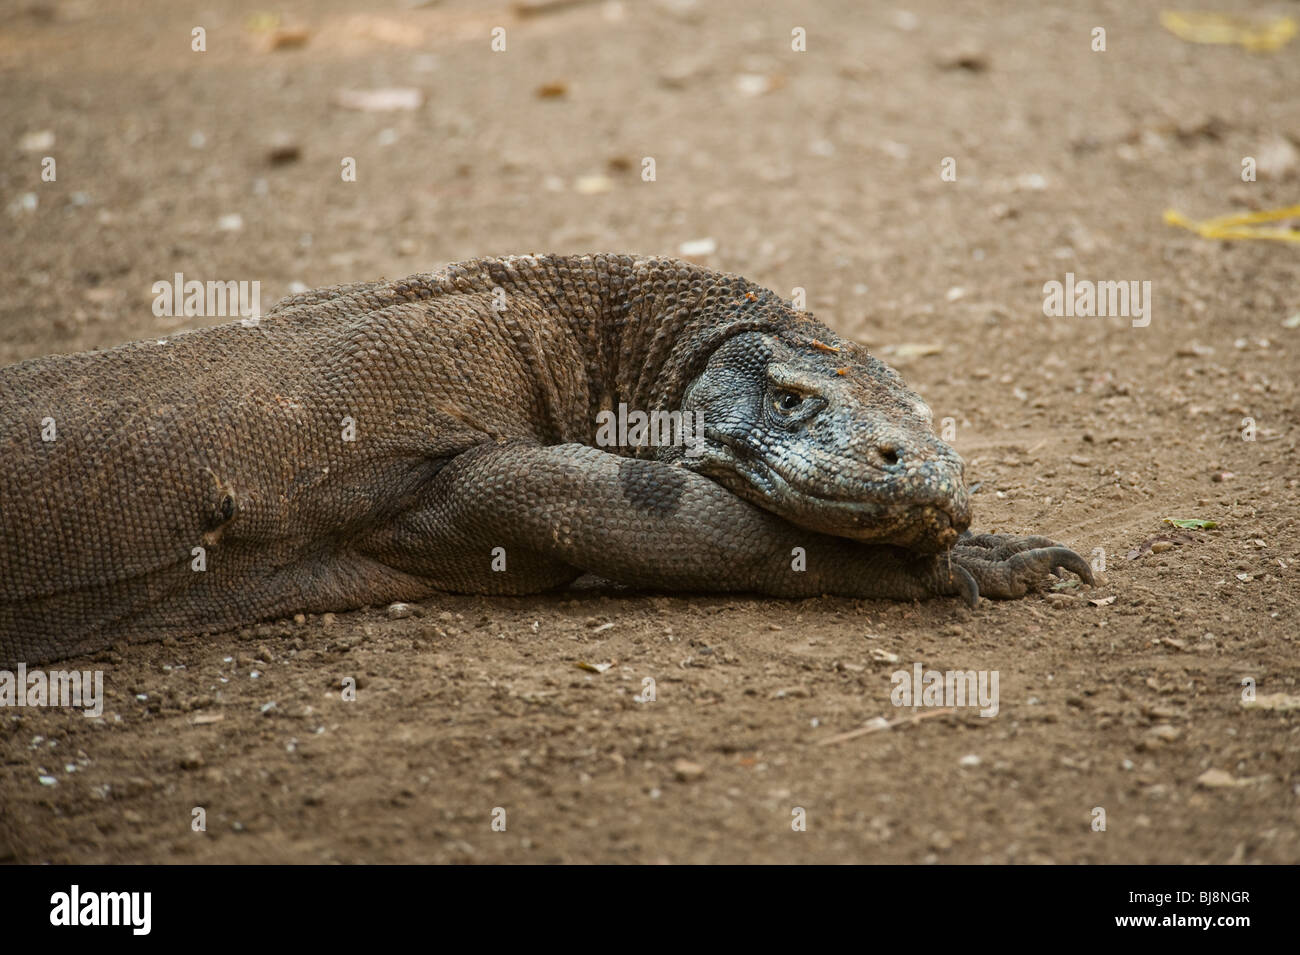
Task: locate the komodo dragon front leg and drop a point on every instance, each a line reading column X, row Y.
column 518, row 518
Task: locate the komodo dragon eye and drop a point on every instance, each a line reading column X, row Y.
column 788, row 402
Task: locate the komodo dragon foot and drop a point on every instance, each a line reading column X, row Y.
column 1007, row 566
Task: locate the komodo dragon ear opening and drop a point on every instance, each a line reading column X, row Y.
column 222, row 509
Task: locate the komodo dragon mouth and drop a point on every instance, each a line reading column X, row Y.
column 927, row 513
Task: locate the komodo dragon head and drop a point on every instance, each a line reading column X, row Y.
column 827, row 437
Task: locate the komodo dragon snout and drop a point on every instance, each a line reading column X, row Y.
column 829, row 438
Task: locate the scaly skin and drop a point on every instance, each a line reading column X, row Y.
column 473, row 395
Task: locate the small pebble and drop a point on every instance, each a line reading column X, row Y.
column 697, row 247
column 283, row 151
column 191, row 760
column 37, row 141
column 687, row 771
column 1165, row 733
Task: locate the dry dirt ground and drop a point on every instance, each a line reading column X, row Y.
column 817, row 169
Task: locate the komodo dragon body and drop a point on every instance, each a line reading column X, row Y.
column 385, row 441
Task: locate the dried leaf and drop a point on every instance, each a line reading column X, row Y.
column 1145, row 547
column 1202, row 26
column 1241, row 226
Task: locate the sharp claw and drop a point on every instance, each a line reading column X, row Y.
column 967, row 589
column 1065, row 559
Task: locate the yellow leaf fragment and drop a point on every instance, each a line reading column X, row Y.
column 1244, row 225
column 1259, row 36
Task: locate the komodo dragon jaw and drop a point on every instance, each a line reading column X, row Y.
column 829, row 438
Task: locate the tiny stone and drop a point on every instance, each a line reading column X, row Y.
column 687, row 771
column 592, row 185
column 697, row 247
column 191, row 760
column 1215, row 779
column 965, row 57
column 37, row 141
column 1165, row 733
column 283, row 151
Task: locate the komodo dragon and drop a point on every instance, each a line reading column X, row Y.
column 389, row 440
